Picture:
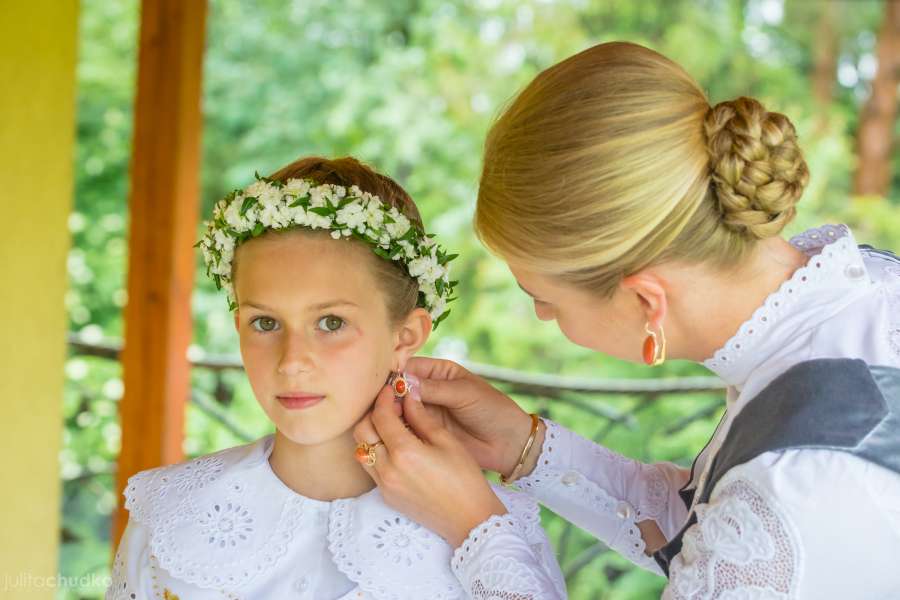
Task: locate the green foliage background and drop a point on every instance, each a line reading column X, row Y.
column 411, row 87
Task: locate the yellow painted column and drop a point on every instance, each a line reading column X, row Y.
column 38, row 41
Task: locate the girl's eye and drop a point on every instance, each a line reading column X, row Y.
column 265, row 323
column 330, row 323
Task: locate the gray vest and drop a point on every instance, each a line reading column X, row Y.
column 835, row 404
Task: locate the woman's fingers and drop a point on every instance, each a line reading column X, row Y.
column 389, row 426
column 424, row 367
column 424, row 425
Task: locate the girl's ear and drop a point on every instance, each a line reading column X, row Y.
column 237, row 320
column 412, row 333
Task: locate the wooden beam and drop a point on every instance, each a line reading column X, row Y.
column 164, row 207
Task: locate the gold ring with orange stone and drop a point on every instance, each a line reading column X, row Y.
column 365, row 452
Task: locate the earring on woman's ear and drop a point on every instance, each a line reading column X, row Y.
column 654, row 348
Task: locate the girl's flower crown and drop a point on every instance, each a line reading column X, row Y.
column 347, row 212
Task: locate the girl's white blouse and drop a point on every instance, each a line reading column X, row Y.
column 224, row 526
column 795, row 524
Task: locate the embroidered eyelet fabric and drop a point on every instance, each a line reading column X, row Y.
column 835, row 265
column 224, row 526
column 508, row 558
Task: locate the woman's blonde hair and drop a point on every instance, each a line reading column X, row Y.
column 613, row 160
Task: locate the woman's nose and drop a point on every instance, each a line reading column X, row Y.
column 296, row 356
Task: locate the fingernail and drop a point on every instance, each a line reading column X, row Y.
column 415, row 386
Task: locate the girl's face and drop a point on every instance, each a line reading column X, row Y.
column 314, row 331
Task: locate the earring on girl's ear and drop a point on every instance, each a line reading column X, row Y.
column 399, row 384
column 654, row 349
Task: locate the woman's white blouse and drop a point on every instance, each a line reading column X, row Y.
column 224, row 526
column 796, row 524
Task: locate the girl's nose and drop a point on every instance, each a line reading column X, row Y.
column 296, row 356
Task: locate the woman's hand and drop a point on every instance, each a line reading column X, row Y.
column 429, row 476
column 488, row 423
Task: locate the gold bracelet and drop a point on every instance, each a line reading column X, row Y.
column 515, row 472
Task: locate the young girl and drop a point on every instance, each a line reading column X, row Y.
column 335, row 286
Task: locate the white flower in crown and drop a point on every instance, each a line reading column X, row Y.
column 297, row 187
column 353, row 216
column 270, row 205
column 233, row 216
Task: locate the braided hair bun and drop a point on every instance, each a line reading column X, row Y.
column 758, row 171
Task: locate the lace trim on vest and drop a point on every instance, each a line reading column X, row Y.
column 893, row 331
column 742, row 547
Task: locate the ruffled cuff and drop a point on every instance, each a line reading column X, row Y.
column 599, row 490
column 496, row 561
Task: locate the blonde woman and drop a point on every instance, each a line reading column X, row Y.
column 647, row 224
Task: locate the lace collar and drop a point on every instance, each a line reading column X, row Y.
column 832, row 278
column 226, row 522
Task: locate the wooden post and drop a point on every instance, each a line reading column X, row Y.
column 164, row 207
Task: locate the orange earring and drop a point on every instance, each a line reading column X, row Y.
column 654, row 348
column 399, row 384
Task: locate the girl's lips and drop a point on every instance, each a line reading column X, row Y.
column 295, row 402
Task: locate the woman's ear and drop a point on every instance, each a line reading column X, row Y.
column 237, row 320
column 412, row 333
column 650, row 291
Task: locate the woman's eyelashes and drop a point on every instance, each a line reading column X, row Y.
column 327, row 324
